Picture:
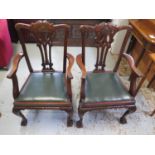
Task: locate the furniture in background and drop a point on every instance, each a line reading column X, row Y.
column 152, row 57
column 143, row 42
column 102, row 89
column 151, row 63
column 6, row 49
column 74, row 33
column 48, row 88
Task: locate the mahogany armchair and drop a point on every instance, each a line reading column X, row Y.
column 48, row 88
column 102, row 89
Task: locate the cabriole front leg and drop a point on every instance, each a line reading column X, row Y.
column 19, row 113
column 69, row 118
column 79, row 124
column 129, row 111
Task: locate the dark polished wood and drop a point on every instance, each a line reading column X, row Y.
column 143, row 31
column 104, row 37
column 43, row 32
column 74, row 32
column 143, row 42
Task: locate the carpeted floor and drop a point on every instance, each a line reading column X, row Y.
column 54, row 122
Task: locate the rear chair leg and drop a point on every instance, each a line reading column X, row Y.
column 79, row 124
column 19, row 113
column 70, row 118
column 129, row 111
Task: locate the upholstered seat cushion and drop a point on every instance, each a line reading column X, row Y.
column 46, row 87
column 105, row 87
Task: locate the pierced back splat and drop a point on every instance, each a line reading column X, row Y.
column 104, row 37
column 44, row 34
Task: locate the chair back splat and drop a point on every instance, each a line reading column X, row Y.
column 104, row 37
column 44, row 34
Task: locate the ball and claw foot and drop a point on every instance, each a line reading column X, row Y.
column 123, row 120
column 19, row 113
column 79, row 124
column 129, row 111
column 69, row 118
column 24, row 122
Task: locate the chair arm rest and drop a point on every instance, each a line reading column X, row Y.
column 71, row 62
column 134, row 75
column 81, row 65
column 131, row 63
column 15, row 64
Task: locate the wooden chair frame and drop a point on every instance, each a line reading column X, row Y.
column 37, row 29
column 104, row 31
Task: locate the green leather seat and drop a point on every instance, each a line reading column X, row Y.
column 105, row 87
column 44, row 87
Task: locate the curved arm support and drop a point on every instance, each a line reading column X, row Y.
column 12, row 74
column 84, row 73
column 69, row 75
column 81, row 65
column 15, row 64
column 134, row 75
column 131, row 63
column 71, row 62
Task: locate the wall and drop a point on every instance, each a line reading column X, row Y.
column 119, row 38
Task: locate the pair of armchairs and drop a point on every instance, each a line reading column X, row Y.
column 51, row 89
